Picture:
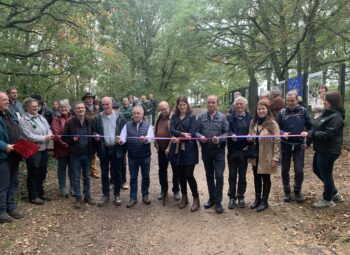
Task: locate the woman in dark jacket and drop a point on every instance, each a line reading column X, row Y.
column 183, row 154
column 327, row 137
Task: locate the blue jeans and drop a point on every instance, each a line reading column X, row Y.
column 109, row 161
column 134, row 166
column 214, row 164
column 62, row 165
column 80, row 164
column 323, row 167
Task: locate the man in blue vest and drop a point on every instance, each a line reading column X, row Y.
column 137, row 133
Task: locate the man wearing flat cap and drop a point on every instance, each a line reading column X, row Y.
column 91, row 112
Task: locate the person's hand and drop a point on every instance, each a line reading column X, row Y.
column 97, row 137
column 234, row 139
column 250, row 139
column 118, row 139
column 186, row 135
column 49, row 137
column 215, row 140
column 203, row 139
column 143, row 139
column 285, row 134
column 76, row 138
column 304, row 134
column 9, row 148
column 274, row 164
column 175, row 139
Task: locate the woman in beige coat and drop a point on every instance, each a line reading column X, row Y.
column 268, row 151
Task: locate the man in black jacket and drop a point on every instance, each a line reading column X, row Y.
column 293, row 119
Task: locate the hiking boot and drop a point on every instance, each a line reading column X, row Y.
column 210, row 203
column 324, row 204
column 184, row 201
column 103, row 201
column 231, row 203
column 196, row 204
column 16, row 214
column 241, row 203
column 177, row 196
column 78, row 204
column 64, row 194
column 117, row 201
column 146, row 200
column 131, row 203
column 46, row 198
column 287, row 198
column 338, row 198
column 124, row 186
column 299, row 197
column 37, row 201
column 5, row 218
column 218, row 208
column 88, row 200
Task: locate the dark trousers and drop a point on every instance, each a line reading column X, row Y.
column 123, row 169
column 110, row 162
column 297, row 152
column 4, row 183
column 262, row 183
column 36, row 174
column 14, row 172
column 186, row 176
column 163, row 164
column 237, row 165
column 322, row 165
column 134, row 165
column 214, row 164
column 80, row 165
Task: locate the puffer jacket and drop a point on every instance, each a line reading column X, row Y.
column 327, row 133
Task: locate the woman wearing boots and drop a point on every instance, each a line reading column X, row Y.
column 183, row 154
column 267, row 151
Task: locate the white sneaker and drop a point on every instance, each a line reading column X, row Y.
column 338, row 198
column 324, row 204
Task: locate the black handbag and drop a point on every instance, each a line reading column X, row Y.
column 252, row 151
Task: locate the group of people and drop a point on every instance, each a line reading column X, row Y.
column 266, row 139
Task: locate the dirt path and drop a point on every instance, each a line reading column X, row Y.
column 56, row 228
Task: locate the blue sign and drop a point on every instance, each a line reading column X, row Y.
column 296, row 83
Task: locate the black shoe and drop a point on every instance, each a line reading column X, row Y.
column 287, row 198
column 37, row 201
column 103, row 201
column 256, row 202
column 117, row 201
column 131, row 203
column 15, row 214
column 262, row 206
column 5, row 218
column 146, row 200
column 299, row 197
column 210, row 203
column 88, row 200
column 241, row 203
column 231, row 203
column 218, row 208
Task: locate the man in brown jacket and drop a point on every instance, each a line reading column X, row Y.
column 90, row 113
column 162, row 129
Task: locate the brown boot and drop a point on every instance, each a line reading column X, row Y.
column 195, row 205
column 184, row 201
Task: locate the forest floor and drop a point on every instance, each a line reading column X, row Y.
column 58, row 228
